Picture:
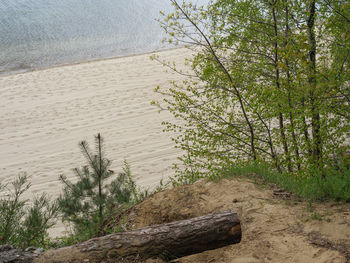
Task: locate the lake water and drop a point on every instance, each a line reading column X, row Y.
column 43, row 33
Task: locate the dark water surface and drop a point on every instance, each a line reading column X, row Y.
column 42, row 33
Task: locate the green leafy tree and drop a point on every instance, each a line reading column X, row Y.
column 87, row 202
column 269, row 81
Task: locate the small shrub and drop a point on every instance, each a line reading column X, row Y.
column 89, row 201
column 21, row 224
column 316, row 216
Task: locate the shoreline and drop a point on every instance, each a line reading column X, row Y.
column 12, row 72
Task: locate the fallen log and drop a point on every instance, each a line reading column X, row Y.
column 177, row 239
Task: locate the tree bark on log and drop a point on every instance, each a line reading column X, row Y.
column 177, row 239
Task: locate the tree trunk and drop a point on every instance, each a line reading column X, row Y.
column 177, row 239
column 316, row 118
column 278, row 85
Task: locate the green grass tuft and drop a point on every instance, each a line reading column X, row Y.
column 316, row 185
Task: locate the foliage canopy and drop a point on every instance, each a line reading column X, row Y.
column 269, row 82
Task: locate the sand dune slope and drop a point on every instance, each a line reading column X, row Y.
column 276, row 227
column 44, row 114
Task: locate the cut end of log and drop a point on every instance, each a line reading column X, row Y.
column 237, row 232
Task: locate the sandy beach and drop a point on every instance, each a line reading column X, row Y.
column 45, row 113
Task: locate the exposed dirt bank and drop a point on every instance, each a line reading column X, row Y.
column 276, row 227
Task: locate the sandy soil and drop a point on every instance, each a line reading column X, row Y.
column 275, row 226
column 44, row 114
